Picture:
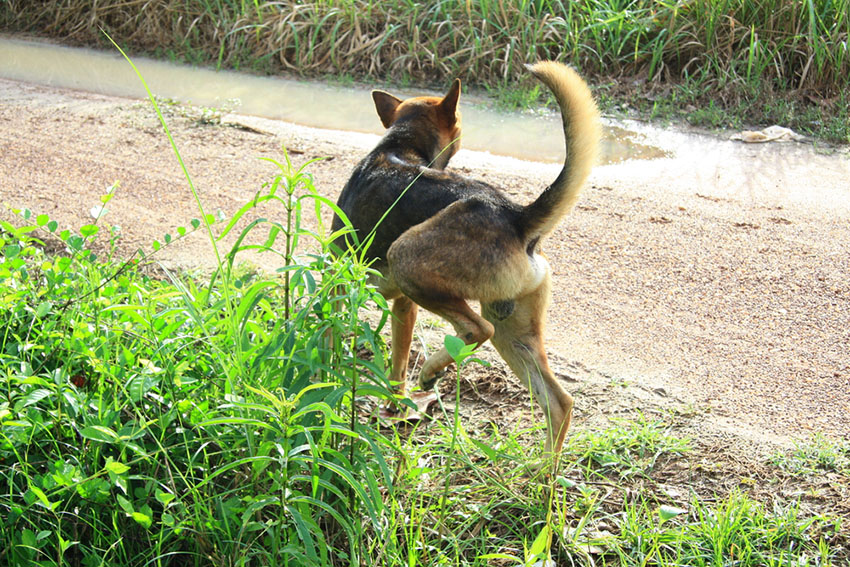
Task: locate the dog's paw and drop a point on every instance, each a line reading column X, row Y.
column 428, row 382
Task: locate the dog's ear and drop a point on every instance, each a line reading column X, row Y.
column 449, row 102
column 385, row 104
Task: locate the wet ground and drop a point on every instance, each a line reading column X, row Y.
column 314, row 104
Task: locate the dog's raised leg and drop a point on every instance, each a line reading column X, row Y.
column 404, row 318
column 519, row 339
column 470, row 327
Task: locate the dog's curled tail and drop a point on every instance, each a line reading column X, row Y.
column 582, row 132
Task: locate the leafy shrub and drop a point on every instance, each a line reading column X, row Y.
column 189, row 420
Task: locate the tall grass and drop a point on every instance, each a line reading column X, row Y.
column 773, row 44
column 190, row 421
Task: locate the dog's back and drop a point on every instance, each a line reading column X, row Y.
column 397, row 186
column 389, row 195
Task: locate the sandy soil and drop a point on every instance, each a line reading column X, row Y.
column 715, row 279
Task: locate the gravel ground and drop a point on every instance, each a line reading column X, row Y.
column 717, row 276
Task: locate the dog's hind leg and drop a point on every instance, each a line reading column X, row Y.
column 519, row 340
column 404, row 318
column 460, row 253
column 469, row 326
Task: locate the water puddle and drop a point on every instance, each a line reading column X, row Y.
column 521, row 135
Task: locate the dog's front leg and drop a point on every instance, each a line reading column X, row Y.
column 404, row 312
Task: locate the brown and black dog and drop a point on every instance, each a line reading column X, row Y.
column 441, row 239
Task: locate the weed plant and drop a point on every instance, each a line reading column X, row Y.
column 735, row 531
column 759, row 61
column 626, row 449
column 817, row 455
column 212, row 421
column 189, row 421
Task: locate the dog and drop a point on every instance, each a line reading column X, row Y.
column 441, row 239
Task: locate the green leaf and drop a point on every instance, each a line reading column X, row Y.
column 42, row 497
column 28, row 538
column 669, row 512
column 455, row 346
column 89, row 230
column 75, row 243
column 35, row 396
column 131, row 432
column 141, row 384
column 164, row 497
column 274, row 231
column 304, row 531
column 541, row 544
column 491, row 453
column 195, row 223
column 99, row 433
column 42, row 220
column 52, row 226
column 461, row 352
column 43, row 309
column 125, row 504
column 143, row 519
column 232, row 421
column 64, row 544
column 11, row 250
column 121, row 482
column 116, row 467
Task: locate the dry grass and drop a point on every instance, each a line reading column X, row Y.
column 782, row 44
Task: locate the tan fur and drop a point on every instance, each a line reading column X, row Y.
column 446, row 239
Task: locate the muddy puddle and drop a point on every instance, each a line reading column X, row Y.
column 775, row 174
column 300, row 102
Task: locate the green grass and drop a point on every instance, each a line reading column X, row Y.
column 734, row 531
column 755, row 60
column 626, row 449
column 815, row 456
column 145, row 419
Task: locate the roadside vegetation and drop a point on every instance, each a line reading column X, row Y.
column 156, row 418
column 716, row 64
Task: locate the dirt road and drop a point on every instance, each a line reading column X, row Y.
column 718, row 276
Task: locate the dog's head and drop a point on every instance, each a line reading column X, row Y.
column 423, row 115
